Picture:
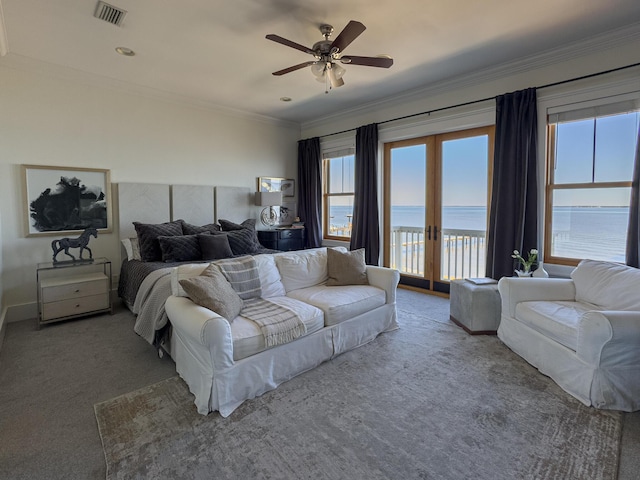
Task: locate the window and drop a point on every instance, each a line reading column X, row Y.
column 591, row 152
column 338, row 195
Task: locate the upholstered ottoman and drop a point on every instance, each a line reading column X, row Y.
column 475, row 308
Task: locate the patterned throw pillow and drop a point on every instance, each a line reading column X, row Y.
column 148, row 234
column 189, row 229
column 243, row 237
column 212, row 290
column 181, row 248
column 228, row 226
column 214, row 247
column 346, row 268
column 242, row 274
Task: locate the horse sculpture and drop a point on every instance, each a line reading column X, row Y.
column 81, row 242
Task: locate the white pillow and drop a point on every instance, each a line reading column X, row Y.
column 607, row 285
column 270, row 281
column 302, row 268
column 132, row 248
column 183, row 272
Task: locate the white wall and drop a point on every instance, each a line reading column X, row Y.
column 600, row 54
column 603, row 53
column 47, row 120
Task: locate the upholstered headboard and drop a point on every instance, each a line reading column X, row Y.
column 196, row 204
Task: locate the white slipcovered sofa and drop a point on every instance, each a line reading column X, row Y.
column 225, row 363
column 583, row 332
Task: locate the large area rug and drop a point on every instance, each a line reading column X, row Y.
column 426, row 401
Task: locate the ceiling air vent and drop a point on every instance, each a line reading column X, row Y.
column 109, row 13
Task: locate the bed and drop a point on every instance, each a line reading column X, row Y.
column 143, row 285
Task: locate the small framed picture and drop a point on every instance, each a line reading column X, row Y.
column 66, row 199
column 275, row 184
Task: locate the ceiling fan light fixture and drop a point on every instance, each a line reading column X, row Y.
column 335, row 75
column 318, row 69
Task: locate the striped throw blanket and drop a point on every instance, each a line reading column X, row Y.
column 278, row 324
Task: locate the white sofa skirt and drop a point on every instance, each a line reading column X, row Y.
column 221, row 384
column 604, row 372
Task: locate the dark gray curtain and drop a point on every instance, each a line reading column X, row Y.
column 513, row 218
column 365, row 230
column 310, row 190
column 633, row 232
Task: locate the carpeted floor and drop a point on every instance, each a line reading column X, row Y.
column 50, row 380
column 425, row 401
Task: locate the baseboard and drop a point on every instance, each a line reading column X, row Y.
column 3, row 315
column 24, row 311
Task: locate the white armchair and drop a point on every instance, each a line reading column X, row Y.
column 583, row 332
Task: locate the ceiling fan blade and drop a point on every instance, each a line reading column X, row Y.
column 382, row 62
column 348, row 35
column 293, row 69
column 289, row 43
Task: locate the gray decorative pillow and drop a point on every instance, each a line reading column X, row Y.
column 148, row 234
column 228, row 226
column 180, row 248
column 211, row 290
column 243, row 237
column 348, row 268
column 242, row 274
column 189, row 229
column 214, row 247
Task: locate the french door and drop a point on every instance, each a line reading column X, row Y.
column 436, row 193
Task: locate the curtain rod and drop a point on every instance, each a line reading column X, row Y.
column 429, row 112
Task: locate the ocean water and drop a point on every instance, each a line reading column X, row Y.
column 585, row 232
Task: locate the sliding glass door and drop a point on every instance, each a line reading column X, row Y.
column 436, row 197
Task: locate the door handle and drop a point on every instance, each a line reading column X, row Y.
column 435, row 232
column 429, row 232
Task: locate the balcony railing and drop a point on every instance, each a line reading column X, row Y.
column 463, row 252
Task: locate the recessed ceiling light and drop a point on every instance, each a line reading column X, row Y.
column 285, row 99
column 127, row 52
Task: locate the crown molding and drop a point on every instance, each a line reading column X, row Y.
column 4, row 42
column 39, row 67
column 571, row 51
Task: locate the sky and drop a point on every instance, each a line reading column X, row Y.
column 464, row 168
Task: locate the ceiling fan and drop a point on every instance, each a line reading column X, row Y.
column 327, row 53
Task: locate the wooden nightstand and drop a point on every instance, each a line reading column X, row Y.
column 70, row 290
column 284, row 239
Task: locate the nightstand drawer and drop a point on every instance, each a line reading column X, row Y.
column 75, row 306
column 74, row 287
column 291, row 233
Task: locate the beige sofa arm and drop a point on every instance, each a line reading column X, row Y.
column 514, row 290
column 208, row 334
column 609, row 338
column 384, row 278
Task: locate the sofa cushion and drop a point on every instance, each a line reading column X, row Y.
column 341, row 303
column 607, row 285
column 555, row 320
column 212, row 290
column 302, row 269
column 248, row 338
column 346, row 268
column 242, row 274
column 270, row 281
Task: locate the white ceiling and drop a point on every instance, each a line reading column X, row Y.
column 215, row 52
